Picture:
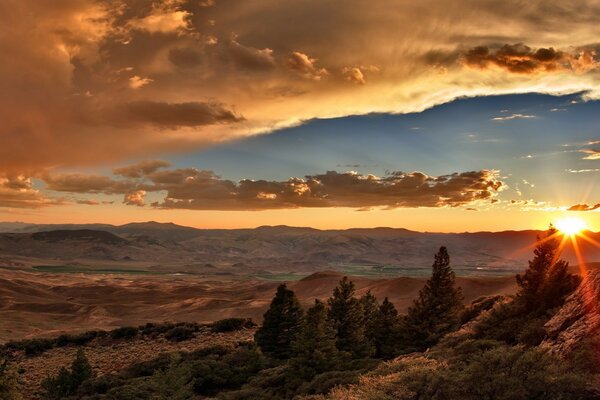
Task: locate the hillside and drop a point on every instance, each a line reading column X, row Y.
column 39, row 304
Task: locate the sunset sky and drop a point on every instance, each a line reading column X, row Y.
column 482, row 115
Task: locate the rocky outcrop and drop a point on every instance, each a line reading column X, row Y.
column 577, row 320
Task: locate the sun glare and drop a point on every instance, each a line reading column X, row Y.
column 570, row 226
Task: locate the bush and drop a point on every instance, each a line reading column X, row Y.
column 36, row 347
column 126, row 332
column 499, row 373
column 77, row 339
column 8, row 382
column 180, row 333
column 232, row 324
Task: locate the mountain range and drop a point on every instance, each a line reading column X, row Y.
column 266, row 251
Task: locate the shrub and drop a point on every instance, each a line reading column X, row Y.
column 232, row 324
column 35, row 347
column 8, row 382
column 125, row 332
column 180, row 333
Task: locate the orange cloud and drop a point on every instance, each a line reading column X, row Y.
column 305, row 66
column 522, row 59
column 70, row 66
column 584, row 207
column 189, row 188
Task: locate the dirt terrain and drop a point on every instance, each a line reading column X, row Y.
column 113, row 355
column 42, row 304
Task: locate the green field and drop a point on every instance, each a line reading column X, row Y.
column 72, row 269
column 280, row 277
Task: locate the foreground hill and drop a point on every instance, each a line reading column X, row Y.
column 168, row 248
column 38, row 304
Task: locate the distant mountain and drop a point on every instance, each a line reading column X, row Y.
column 279, row 249
column 86, row 235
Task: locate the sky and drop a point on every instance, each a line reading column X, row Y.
column 227, row 114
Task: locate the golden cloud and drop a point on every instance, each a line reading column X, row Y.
column 189, row 188
column 88, row 82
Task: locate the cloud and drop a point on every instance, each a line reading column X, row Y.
column 88, row 202
column 83, row 183
column 584, row 207
column 305, row 66
column 67, row 71
column 582, row 171
column 16, row 191
column 190, row 188
column 185, row 57
column 141, row 169
column 354, row 74
column 173, row 115
column 251, row 58
column 165, row 17
column 136, row 82
column 592, row 154
column 513, row 116
column 521, row 59
column 135, row 198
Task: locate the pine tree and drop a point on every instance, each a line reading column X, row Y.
column 435, row 312
column 547, row 281
column 281, row 324
column 81, row 370
column 387, row 336
column 315, row 351
column 347, row 315
column 371, row 316
column 66, row 382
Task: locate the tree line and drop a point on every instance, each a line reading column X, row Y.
column 347, row 327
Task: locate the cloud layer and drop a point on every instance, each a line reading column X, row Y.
column 190, row 188
column 87, row 82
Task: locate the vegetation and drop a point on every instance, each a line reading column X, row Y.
column 172, row 331
column 67, row 382
column 8, row 381
column 232, row 324
column 542, row 288
column 315, row 349
column 344, row 348
column 483, row 371
column 347, row 314
column 281, row 324
column 437, row 309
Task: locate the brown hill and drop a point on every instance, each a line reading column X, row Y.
column 38, row 304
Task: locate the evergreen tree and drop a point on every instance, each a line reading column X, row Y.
column 346, row 312
column 371, row 316
column 547, row 281
column 66, row 382
column 281, row 324
column 436, row 311
column 81, row 370
column 315, row 351
column 387, row 330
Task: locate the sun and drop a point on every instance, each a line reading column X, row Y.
column 570, row 226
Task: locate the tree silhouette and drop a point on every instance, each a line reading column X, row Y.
column 314, row 350
column 346, row 312
column 546, row 282
column 435, row 312
column 281, row 324
column 387, row 336
column 371, row 317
